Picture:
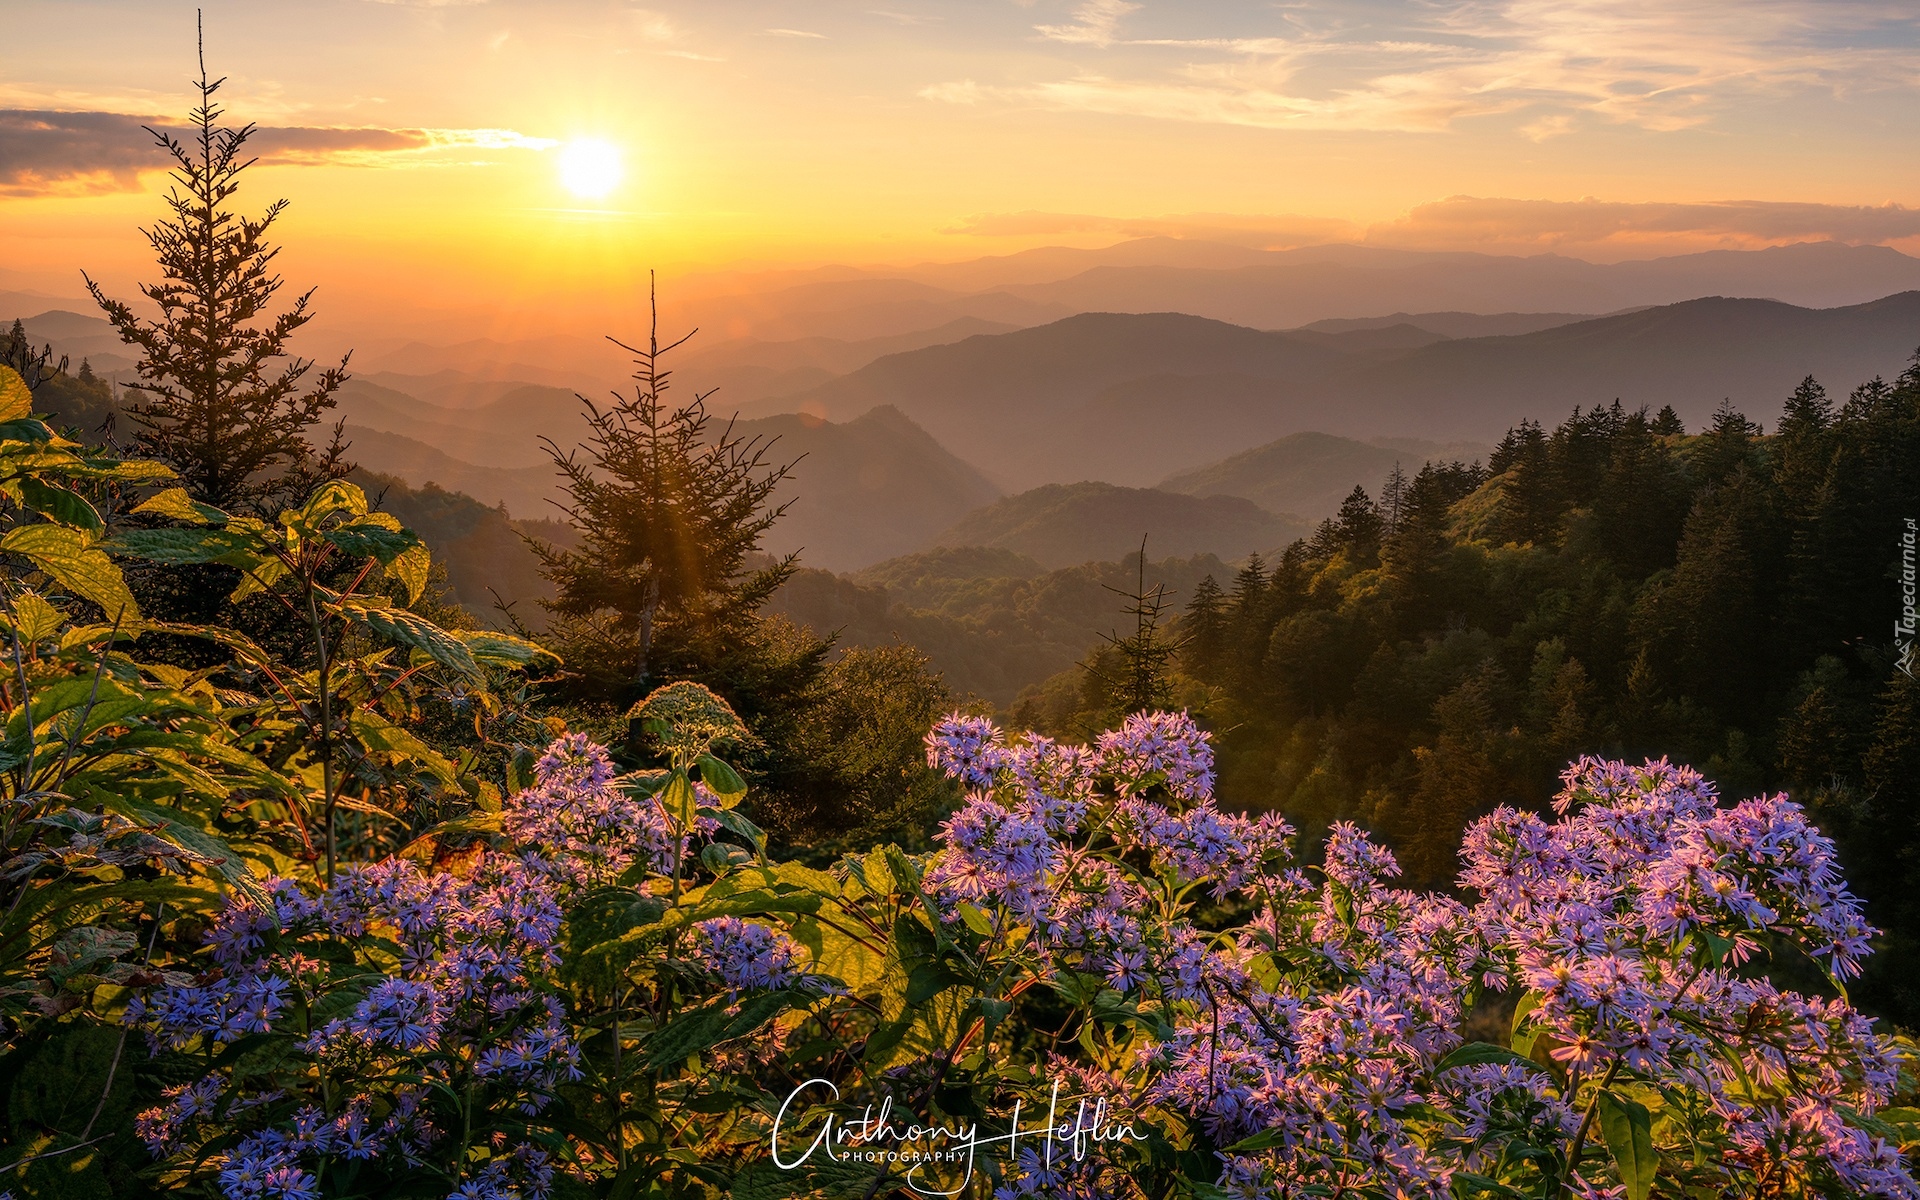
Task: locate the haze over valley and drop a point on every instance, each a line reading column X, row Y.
column 1051, row 408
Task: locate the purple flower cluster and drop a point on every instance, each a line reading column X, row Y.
column 1321, row 1023
column 464, row 988
column 1626, row 919
column 1026, row 848
column 582, row 825
column 746, row 955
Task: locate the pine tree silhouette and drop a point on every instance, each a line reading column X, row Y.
column 219, row 398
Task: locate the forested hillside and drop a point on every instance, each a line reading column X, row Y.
column 1609, row 585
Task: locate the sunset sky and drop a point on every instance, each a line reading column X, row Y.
column 421, row 144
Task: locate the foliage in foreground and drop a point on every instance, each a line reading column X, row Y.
column 597, row 1000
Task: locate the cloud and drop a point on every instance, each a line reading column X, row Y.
column 1094, row 23
column 1589, row 228
column 794, row 33
column 44, row 152
column 1554, row 64
column 1270, row 233
column 1472, row 222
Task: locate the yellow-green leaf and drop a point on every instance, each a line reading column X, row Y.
column 15, row 400
column 677, row 800
column 175, row 503
column 70, row 557
column 35, row 618
column 411, row 570
column 382, row 736
column 1627, row 1128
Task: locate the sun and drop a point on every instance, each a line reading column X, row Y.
column 590, row 168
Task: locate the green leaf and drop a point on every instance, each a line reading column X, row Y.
column 233, row 547
column 71, row 558
column 1474, row 1054
column 411, row 630
column 36, row 618
column 501, row 649
column 608, row 913
column 735, row 822
column 411, row 568
column 928, row 980
column 704, row 1028
column 382, row 736
column 722, row 780
column 1525, row 1034
column 977, row 919
column 62, row 505
column 336, row 496
column 231, row 866
column 15, row 400
column 677, row 800
column 371, row 541
column 1627, row 1128
column 175, row 503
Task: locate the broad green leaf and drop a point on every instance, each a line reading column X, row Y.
column 370, row 541
column 1476, row 1053
column 335, row 496
column 733, row 821
column 175, row 503
column 15, row 400
column 36, row 618
column 722, row 780
column 62, row 505
column 231, row 546
column 173, row 828
column 412, row 630
column 382, row 736
column 608, row 913
column 1627, row 1128
column 1525, row 1033
column 411, row 568
column 501, row 649
column 704, row 1028
column 677, row 800
column 71, row 558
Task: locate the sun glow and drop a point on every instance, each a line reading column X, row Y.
column 590, row 168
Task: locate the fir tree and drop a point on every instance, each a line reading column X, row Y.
column 1393, row 498
column 1204, row 629
column 220, row 399
column 1667, row 423
column 668, row 511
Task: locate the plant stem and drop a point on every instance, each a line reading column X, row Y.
column 1586, row 1124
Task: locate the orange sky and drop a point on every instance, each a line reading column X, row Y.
column 419, row 142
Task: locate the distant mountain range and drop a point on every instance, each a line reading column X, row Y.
column 1133, row 398
column 1311, row 473
column 1060, row 525
column 1216, row 398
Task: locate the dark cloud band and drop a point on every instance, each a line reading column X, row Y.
column 44, row 152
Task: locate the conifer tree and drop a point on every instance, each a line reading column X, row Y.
column 1204, row 628
column 1136, row 675
column 33, row 366
column 221, row 400
column 668, row 510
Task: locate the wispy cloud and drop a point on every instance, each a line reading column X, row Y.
column 793, row 33
column 1535, row 225
column 62, row 153
column 1598, row 228
column 1322, row 64
column 1094, row 23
